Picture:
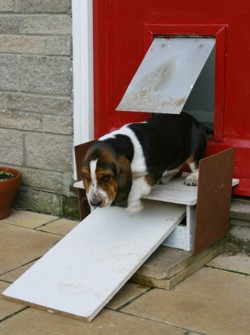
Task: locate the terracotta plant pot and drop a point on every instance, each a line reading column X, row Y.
column 8, row 190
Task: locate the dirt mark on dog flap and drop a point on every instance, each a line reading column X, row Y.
column 149, row 92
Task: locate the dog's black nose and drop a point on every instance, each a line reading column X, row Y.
column 95, row 202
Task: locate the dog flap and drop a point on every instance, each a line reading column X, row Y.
column 167, row 75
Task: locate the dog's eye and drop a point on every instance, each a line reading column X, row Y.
column 105, row 179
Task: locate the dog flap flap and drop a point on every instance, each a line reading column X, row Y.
column 167, row 75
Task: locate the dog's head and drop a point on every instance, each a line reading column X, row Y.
column 106, row 175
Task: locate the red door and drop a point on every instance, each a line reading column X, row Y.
column 123, row 31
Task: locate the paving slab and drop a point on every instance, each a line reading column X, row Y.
column 19, row 246
column 211, row 302
column 237, row 263
column 28, row 219
column 13, row 275
column 8, row 308
column 33, row 322
column 61, row 226
column 129, row 292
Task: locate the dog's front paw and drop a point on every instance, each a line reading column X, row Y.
column 191, row 180
column 134, row 207
column 163, row 180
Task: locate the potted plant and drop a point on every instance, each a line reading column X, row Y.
column 10, row 180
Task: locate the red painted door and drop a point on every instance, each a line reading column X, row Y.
column 123, row 31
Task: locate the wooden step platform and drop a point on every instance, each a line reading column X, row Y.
column 85, row 269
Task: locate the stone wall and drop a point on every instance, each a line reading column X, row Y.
column 36, row 101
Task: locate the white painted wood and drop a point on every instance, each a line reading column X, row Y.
column 81, row 273
column 83, row 79
column 167, row 75
column 178, row 238
column 82, row 26
column 183, row 235
column 79, row 184
column 191, row 221
column 175, row 191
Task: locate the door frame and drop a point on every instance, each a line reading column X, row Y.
column 83, row 81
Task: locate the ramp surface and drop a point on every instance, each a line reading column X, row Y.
column 79, row 275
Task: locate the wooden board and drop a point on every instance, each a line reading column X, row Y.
column 79, row 275
column 175, row 191
column 214, row 194
column 80, row 151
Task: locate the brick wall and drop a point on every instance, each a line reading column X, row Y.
column 36, row 101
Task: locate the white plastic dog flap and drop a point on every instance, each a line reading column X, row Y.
column 167, row 75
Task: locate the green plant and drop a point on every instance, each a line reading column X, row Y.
column 5, row 175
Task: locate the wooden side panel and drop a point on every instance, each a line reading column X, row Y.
column 80, row 151
column 214, row 199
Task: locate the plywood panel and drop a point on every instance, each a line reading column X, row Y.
column 214, row 194
column 84, row 270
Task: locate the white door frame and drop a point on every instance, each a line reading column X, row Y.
column 83, row 87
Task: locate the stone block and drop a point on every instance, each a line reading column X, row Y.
column 70, row 207
column 48, row 152
column 59, row 45
column 58, row 124
column 7, row 5
column 51, row 181
column 48, row 75
column 9, row 72
column 22, row 44
column 37, row 103
column 20, row 120
column 47, row 24
column 12, row 150
column 240, row 209
column 239, row 239
column 43, row 180
column 45, row 6
column 38, row 201
column 10, row 24
column 2, row 100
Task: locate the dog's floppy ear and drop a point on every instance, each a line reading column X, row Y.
column 124, row 182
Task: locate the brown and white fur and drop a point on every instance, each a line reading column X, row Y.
column 122, row 166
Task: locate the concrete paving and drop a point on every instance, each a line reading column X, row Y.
column 214, row 300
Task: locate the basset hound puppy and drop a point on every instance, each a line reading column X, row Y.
column 122, row 166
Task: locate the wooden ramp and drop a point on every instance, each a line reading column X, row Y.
column 87, row 267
